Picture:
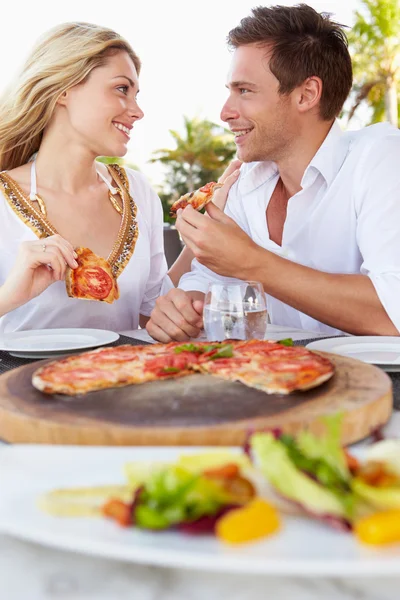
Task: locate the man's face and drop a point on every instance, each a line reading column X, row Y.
column 264, row 122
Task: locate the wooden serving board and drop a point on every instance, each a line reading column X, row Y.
column 193, row 410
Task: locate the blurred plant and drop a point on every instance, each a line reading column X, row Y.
column 374, row 43
column 200, row 155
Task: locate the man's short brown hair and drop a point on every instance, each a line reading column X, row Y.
column 304, row 43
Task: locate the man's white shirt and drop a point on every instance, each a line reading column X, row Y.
column 345, row 219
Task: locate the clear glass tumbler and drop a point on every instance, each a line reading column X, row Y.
column 235, row 311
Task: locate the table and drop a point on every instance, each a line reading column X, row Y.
column 32, row 572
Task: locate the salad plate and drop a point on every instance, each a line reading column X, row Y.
column 28, row 471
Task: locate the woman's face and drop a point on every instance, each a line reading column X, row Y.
column 100, row 113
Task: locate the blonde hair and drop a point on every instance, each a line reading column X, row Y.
column 62, row 58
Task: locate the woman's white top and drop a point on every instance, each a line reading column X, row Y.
column 143, row 279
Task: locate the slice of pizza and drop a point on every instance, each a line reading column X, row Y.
column 111, row 367
column 197, row 199
column 92, row 279
column 270, row 367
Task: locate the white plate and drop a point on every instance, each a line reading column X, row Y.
column 41, row 343
column 27, row 471
column 377, row 350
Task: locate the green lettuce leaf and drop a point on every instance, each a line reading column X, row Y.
column 272, row 457
column 327, row 447
column 174, row 495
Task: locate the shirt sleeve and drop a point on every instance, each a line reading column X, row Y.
column 158, row 282
column 199, row 277
column 378, row 221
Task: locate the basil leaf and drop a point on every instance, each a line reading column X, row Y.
column 196, row 348
column 223, row 352
column 212, row 347
column 187, row 348
column 170, row 370
column 286, row 342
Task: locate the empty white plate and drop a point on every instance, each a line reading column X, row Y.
column 377, row 350
column 41, row 343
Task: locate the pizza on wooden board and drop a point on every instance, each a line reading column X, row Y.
column 92, row 279
column 197, row 199
column 265, row 365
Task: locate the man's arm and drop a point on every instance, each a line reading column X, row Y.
column 181, row 265
column 346, row 302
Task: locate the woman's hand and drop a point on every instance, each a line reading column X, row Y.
column 228, row 178
column 38, row 265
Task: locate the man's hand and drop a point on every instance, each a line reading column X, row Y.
column 177, row 316
column 218, row 242
column 228, row 178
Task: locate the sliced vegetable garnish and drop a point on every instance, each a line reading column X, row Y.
column 380, row 528
column 253, row 521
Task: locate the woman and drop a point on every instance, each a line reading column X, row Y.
column 74, row 101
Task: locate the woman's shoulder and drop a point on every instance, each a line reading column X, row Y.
column 20, row 175
column 138, row 179
column 141, row 190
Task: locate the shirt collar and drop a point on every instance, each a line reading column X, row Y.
column 329, row 157
column 327, row 161
column 254, row 174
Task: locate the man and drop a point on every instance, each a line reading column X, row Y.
column 315, row 213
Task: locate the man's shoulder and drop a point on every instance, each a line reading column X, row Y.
column 373, row 134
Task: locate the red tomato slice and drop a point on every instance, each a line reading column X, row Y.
column 171, row 361
column 97, row 282
column 257, row 347
column 207, row 188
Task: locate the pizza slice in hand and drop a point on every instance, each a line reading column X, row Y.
column 197, row 199
column 92, row 279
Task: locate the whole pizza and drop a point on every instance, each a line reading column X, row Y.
column 265, row 365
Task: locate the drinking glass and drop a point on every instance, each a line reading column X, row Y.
column 235, row 311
